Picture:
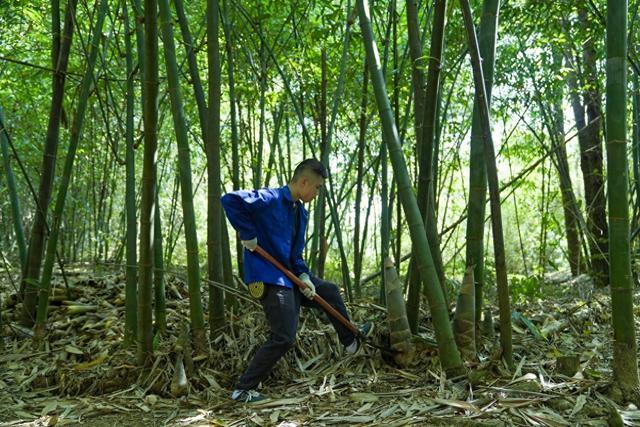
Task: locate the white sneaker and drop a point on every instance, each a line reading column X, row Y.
column 248, row 396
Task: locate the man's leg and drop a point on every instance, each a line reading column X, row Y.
column 329, row 292
column 282, row 308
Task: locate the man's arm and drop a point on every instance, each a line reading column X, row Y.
column 239, row 207
column 298, row 265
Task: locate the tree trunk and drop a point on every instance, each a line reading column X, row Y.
column 625, row 365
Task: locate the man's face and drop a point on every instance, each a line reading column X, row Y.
column 311, row 185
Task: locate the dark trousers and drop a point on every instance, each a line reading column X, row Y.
column 282, row 308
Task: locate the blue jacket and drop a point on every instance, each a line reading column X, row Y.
column 269, row 215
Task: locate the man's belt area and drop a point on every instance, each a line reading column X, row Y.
column 257, row 290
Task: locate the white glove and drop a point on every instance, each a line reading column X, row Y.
column 310, row 290
column 250, row 244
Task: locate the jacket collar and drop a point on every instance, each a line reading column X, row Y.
column 287, row 193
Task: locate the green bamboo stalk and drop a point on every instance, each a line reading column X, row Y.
column 635, row 152
column 579, row 117
column 131, row 271
column 425, row 178
column 214, row 172
column 258, row 157
column 159, row 301
column 344, row 264
column 477, row 165
column 625, row 365
column 326, row 138
column 417, row 65
column 230, row 299
column 184, row 169
column 31, row 273
column 13, row 193
column 55, row 32
column 76, row 134
column 235, row 142
column 494, row 190
column 276, row 119
column 139, row 21
column 148, row 193
column 449, row 355
column 425, row 159
column 297, row 105
column 362, row 133
column 591, row 157
column 330, row 195
column 193, row 66
column 319, row 238
column 385, row 227
column 394, row 197
column 555, row 124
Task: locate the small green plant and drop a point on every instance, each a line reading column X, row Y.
column 525, row 288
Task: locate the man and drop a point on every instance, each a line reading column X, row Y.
column 276, row 220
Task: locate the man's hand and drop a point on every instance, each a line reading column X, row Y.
column 250, row 244
column 310, row 290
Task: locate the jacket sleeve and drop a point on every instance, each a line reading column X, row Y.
column 298, row 266
column 239, row 207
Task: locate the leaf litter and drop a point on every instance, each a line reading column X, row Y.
column 83, row 373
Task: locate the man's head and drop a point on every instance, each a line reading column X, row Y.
column 307, row 180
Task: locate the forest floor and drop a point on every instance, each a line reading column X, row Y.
column 83, row 375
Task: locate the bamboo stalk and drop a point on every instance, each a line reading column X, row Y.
column 449, row 355
column 494, row 191
column 214, row 173
column 193, row 265
column 36, row 243
column 76, row 134
column 13, row 193
column 131, row 271
column 625, row 365
column 150, row 117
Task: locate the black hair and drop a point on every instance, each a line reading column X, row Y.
column 312, row 165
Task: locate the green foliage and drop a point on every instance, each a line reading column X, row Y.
column 296, row 32
column 525, row 289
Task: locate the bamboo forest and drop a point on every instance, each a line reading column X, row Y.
column 321, row 212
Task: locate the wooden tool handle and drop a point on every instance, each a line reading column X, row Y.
column 317, row 298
